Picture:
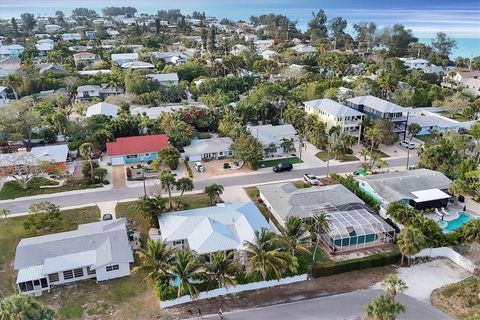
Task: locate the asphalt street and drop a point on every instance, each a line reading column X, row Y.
column 341, row 307
column 95, row 195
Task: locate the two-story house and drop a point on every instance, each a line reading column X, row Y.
column 336, row 114
column 88, row 92
column 272, row 137
column 377, row 108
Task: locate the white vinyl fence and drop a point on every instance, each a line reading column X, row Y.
column 239, row 288
column 446, row 252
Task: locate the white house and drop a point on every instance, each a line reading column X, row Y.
column 262, row 45
column 11, row 51
column 107, row 109
column 472, row 86
column 71, row 36
column 269, row 54
column 44, row 46
column 113, row 33
column 122, row 58
column 207, row 230
column 52, row 28
column 431, row 121
column 238, row 49
column 99, row 250
column 271, row 136
column 165, row 79
column 422, row 64
column 336, row 114
column 304, row 48
column 138, row 65
column 214, row 148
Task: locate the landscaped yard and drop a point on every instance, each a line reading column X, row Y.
column 458, row 116
column 12, row 232
column 427, row 138
column 274, row 162
column 13, row 189
column 323, row 155
column 381, row 153
column 461, row 300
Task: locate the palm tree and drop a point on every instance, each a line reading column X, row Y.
column 150, row 209
column 167, row 182
column 156, row 260
column 382, row 164
column 383, row 308
column 24, row 307
column 365, row 152
column 86, row 152
column 393, row 285
column 213, row 192
column 266, row 258
column 365, row 166
column 457, row 188
column 294, row 237
column 410, row 241
column 373, row 134
column 321, row 224
column 188, row 270
column 222, row 268
column 287, row 145
column 349, row 140
column 182, row 185
column 374, row 157
column 13, row 82
column 413, row 129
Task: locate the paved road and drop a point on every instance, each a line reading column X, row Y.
column 94, row 195
column 343, row 306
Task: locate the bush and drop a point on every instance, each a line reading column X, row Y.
column 189, row 169
column 165, row 291
column 352, row 185
column 377, row 260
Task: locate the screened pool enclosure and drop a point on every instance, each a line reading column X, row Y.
column 354, row 227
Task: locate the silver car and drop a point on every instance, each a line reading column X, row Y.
column 311, row 179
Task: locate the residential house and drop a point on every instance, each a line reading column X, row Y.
column 121, row 58
column 52, row 28
column 304, row 48
column 165, row 79
column 272, row 137
column 98, row 250
column 11, row 51
column 458, row 77
column 103, row 108
column 112, row 33
column 422, row 64
column 238, row 49
column 430, row 122
column 270, row 55
column 377, row 108
column 336, row 114
column 3, row 96
column 8, row 66
column 84, row 59
column 419, row 188
column 352, row 224
column 262, row 45
column 136, row 149
column 44, row 46
column 138, row 65
column 71, row 36
column 472, row 86
column 214, row 148
column 52, row 67
column 225, row 228
column 171, row 57
column 156, row 112
column 88, row 92
column 90, row 34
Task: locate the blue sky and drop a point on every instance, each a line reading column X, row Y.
column 459, row 18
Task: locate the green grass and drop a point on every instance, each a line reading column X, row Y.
column 381, row 153
column 271, row 163
column 428, row 138
column 13, row 189
column 458, row 116
column 323, row 155
column 13, row 231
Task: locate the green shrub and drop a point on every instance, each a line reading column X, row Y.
column 165, row 291
column 352, row 185
column 189, row 169
column 378, row 260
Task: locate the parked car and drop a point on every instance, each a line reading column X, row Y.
column 311, row 179
column 199, row 167
column 284, row 166
column 361, row 172
column 408, row 144
column 107, row 216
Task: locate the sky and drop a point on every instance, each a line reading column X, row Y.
column 460, row 18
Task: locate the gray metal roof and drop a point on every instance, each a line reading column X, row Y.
column 395, row 186
column 108, row 238
column 287, row 200
column 333, row 107
column 378, row 104
column 272, row 134
column 201, row 146
column 161, row 77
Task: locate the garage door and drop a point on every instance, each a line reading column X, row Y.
column 117, row 160
column 195, row 158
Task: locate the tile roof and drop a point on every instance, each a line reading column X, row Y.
column 138, row 144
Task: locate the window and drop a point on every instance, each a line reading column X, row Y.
column 90, row 272
column 147, row 154
column 133, row 156
column 36, row 282
column 112, row 268
column 44, row 283
column 67, row 274
column 78, row 273
column 53, row 277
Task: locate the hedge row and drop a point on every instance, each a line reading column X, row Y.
column 352, row 185
column 189, row 169
column 377, row 260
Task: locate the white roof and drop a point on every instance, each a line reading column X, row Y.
column 104, row 108
column 304, row 48
column 137, row 65
column 125, row 56
column 31, row 273
column 94, row 72
column 201, row 146
column 333, row 107
column 213, row 228
column 70, row 261
column 54, row 153
column 162, row 77
column 272, row 134
column 44, row 46
column 430, row 195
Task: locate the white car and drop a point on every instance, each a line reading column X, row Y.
column 311, row 179
column 408, row 144
column 199, row 167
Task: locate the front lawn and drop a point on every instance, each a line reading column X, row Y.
column 381, row 153
column 323, row 155
column 274, row 162
column 13, row 189
column 427, row 138
column 13, row 231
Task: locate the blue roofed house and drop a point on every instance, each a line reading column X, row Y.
column 224, row 227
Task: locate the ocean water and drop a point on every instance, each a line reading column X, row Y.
column 459, row 19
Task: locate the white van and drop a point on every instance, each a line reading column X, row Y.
column 408, row 144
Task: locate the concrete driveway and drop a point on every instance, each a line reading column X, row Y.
column 118, row 177
column 341, row 307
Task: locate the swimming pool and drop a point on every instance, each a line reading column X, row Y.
column 449, row 226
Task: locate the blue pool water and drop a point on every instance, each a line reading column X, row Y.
column 449, row 226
